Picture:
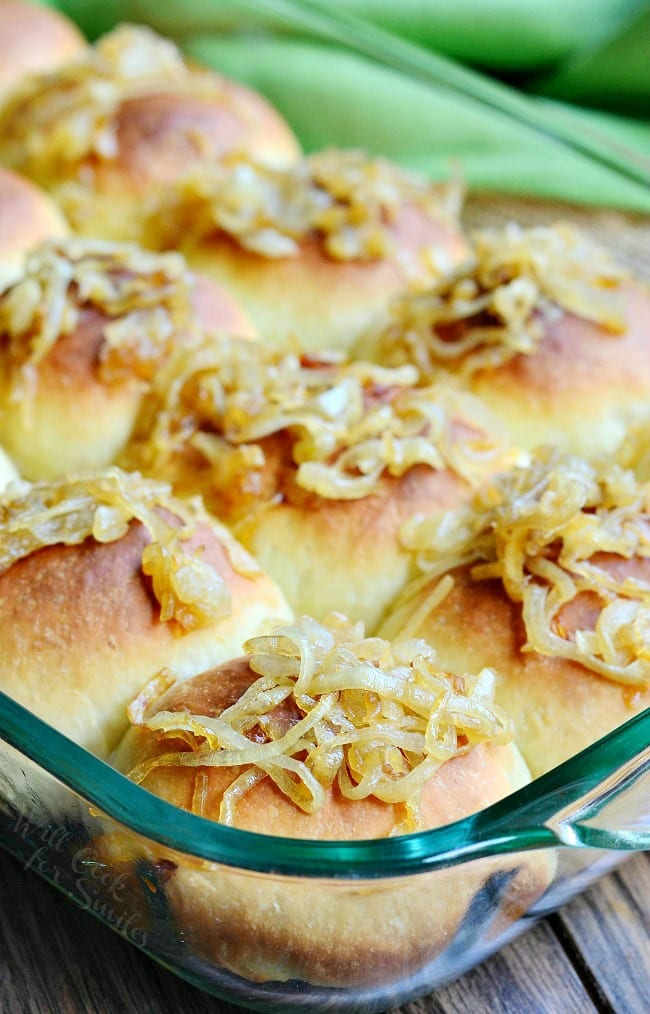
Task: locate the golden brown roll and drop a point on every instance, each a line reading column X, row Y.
column 315, row 251
column 545, row 577
column 127, row 116
column 82, row 332
column 105, row 581
column 322, row 734
column 33, row 39
column 314, row 462
column 543, row 326
column 27, row 217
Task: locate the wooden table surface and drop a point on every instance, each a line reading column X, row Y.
column 593, row 956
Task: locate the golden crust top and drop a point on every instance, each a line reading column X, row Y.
column 85, row 326
column 101, row 108
column 134, row 305
column 102, row 506
column 560, row 535
column 519, row 284
column 88, row 621
column 558, row 705
column 33, row 38
column 159, row 135
column 27, row 217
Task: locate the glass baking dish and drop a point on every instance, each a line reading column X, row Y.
column 278, row 924
column 281, row 924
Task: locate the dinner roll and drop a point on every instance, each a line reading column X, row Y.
column 27, row 217
column 543, row 326
column 105, row 581
column 315, row 462
column 314, row 251
column 33, row 38
column 124, row 117
column 320, row 734
column 82, row 333
column 545, row 577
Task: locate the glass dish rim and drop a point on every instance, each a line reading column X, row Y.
column 522, row 821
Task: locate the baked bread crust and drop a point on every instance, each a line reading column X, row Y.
column 40, row 428
column 543, row 325
column 558, row 706
column 318, row 301
column 264, row 927
column 583, row 388
column 126, row 116
column 83, row 628
column 302, row 511
column 33, row 39
column 27, row 217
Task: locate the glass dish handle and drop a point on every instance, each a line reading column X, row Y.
column 616, row 814
column 598, row 799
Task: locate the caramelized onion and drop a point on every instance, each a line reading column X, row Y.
column 344, row 198
column 145, row 298
column 374, row 718
column 546, row 532
column 351, row 422
column 62, row 117
column 101, row 506
column 501, row 305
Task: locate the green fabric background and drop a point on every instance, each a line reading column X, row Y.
column 596, row 52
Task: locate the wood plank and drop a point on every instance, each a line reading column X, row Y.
column 532, row 975
column 55, row 959
column 608, row 928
